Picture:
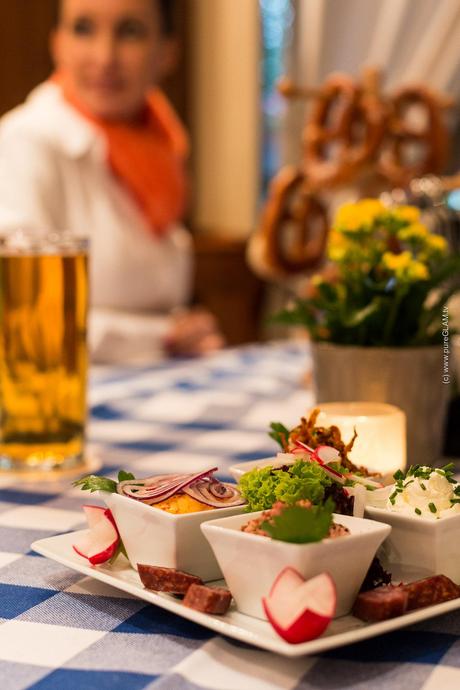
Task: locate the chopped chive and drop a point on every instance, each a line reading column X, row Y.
column 455, row 500
column 423, row 486
column 418, row 511
column 398, row 475
column 432, row 507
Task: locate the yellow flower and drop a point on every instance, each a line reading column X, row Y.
column 436, row 244
column 409, row 213
column 415, row 231
column 397, row 262
column 337, row 246
column 405, row 267
column 417, row 271
column 357, row 216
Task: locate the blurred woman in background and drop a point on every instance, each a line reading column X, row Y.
column 98, row 151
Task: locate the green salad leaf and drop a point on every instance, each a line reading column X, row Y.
column 94, row 483
column 299, row 525
column 261, row 488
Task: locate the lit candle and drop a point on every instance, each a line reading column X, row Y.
column 381, row 428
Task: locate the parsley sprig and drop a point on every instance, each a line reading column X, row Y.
column 95, row 483
column 299, row 525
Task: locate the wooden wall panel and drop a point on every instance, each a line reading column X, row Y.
column 24, row 57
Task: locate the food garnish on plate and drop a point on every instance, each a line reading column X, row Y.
column 176, row 497
column 102, row 542
column 300, row 523
column 300, row 610
column 174, row 493
column 314, row 465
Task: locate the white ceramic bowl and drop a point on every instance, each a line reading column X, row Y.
column 250, row 563
column 154, row 537
column 431, row 547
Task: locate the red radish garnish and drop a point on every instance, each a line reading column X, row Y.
column 99, row 544
column 359, row 493
column 366, row 481
column 300, row 610
column 327, row 454
column 324, row 455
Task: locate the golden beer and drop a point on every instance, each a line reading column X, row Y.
column 43, row 356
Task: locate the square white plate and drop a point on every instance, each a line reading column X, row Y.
column 342, row 631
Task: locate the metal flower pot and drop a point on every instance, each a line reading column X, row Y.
column 410, row 378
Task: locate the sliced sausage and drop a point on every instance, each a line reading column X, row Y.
column 166, row 579
column 431, row 590
column 380, row 604
column 387, row 602
column 208, row 599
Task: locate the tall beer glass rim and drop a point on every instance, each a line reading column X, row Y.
column 29, row 243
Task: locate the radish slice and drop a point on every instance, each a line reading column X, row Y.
column 100, row 542
column 298, row 609
column 328, row 454
column 365, row 481
column 359, row 494
column 93, row 514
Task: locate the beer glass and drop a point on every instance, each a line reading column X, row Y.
column 43, row 354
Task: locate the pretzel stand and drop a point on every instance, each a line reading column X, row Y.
column 354, row 136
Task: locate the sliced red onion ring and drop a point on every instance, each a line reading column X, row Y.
column 158, row 488
column 214, row 493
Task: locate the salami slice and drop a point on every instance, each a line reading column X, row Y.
column 387, row 602
column 381, row 603
column 166, row 579
column 208, row 599
column 431, row 590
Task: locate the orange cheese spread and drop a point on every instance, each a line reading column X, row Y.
column 180, row 504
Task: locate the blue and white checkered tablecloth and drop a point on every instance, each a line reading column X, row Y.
column 61, row 631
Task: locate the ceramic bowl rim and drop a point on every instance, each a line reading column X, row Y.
column 377, row 527
column 163, row 514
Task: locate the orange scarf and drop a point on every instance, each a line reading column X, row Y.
column 147, row 157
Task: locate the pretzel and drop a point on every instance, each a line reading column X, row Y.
column 294, row 226
column 396, row 162
column 344, row 131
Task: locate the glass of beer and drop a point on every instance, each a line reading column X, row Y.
column 43, row 353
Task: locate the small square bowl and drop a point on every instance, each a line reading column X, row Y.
column 250, row 563
column 431, row 547
column 155, row 537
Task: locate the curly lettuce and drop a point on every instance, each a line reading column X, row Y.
column 263, row 487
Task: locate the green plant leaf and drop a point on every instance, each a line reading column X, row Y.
column 361, row 315
column 125, row 476
column 299, row 525
column 279, row 433
column 95, row 483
